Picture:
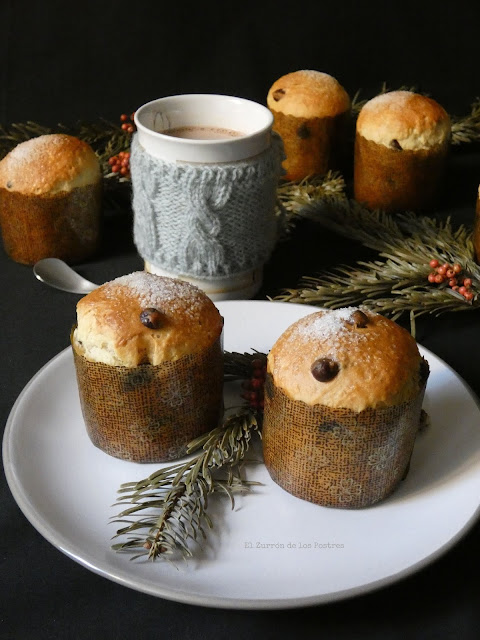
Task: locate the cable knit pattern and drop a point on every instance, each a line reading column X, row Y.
column 205, row 220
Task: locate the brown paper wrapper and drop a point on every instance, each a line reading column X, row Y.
column 312, row 146
column 397, row 180
column 65, row 225
column 150, row 413
column 337, row 457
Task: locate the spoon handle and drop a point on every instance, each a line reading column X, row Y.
column 57, row 273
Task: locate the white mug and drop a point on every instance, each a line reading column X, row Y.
column 248, row 126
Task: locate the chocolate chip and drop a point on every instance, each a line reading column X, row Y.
column 9, row 184
column 324, row 369
column 359, row 319
column 394, row 144
column 151, row 318
column 278, row 94
column 303, row 132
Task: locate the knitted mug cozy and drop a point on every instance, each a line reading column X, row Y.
column 205, row 220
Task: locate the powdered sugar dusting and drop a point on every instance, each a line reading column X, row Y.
column 330, row 326
column 394, row 99
column 152, row 291
column 28, row 151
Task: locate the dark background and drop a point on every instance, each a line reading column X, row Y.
column 61, row 62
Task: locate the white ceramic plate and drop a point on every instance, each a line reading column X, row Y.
column 273, row 550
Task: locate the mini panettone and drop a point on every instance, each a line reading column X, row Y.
column 311, row 114
column 401, row 150
column 50, row 199
column 149, row 364
column 343, row 404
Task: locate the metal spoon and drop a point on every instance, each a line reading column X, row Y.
column 58, row 274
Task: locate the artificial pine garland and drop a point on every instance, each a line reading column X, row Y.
column 425, row 265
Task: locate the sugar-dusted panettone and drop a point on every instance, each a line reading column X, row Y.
column 311, row 113
column 401, row 150
column 149, row 364
column 50, row 199
column 343, row 401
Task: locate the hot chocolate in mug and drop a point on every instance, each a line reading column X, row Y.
column 205, row 171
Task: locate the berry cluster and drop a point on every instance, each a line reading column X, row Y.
column 128, row 122
column 121, row 163
column 253, row 387
column 451, row 275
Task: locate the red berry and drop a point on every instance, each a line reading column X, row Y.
column 452, row 282
column 450, row 273
column 433, row 263
column 457, row 268
column 112, row 160
column 439, row 278
column 123, row 171
column 431, row 277
column 442, row 270
column 125, row 126
column 462, row 290
column 468, row 295
column 116, row 168
column 123, row 117
column 467, row 282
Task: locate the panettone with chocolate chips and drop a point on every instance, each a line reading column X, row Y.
column 311, row 113
column 149, row 363
column 343, row 402
column 401, row 150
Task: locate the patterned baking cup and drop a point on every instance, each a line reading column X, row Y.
column 338, row 457
column 150, row 413
column 313, row 146
column 398, row 180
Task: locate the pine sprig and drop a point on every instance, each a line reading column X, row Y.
column 168, row 510
column 466, row 129
column 398, row 283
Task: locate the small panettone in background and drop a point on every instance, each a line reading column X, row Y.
column 401, row 150
column 476, row 229
column 149, row 364
column 343, row 403
column 50, row 199
column 311, row 114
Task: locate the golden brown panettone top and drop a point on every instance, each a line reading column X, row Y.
column 308, row 94
column 404, row 120
column 144, row 318
column 346, row 358
column 48, row 165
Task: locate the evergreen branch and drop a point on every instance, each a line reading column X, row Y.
column 466, row 129
column 168, row 510
column 399, row 282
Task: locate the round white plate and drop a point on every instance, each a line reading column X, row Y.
column 273, row 550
